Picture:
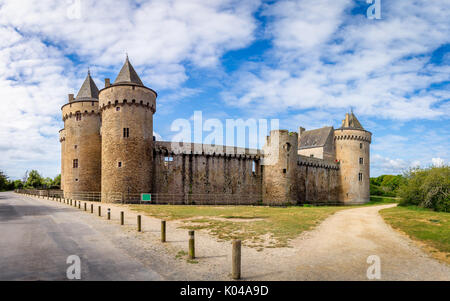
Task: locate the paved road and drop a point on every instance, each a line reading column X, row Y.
column 36, row 237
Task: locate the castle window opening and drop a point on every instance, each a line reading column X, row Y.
column 360, row 177
column 361, row 160
column 126, row 132
column 119, row 164
column 75, row 146
column 76, row 180
column 117, row 109
column 78, row 116
column 284, row 170
column 253, row 167
column 167, row 160
column 92, row 104
column 360, row 145
column 75, row 163
column 312, row 155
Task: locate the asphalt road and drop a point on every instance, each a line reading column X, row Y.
column 36, row 238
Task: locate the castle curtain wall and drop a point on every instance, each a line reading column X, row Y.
column 318, row 181
column 206, row 178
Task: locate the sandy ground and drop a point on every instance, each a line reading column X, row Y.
column 336, row 250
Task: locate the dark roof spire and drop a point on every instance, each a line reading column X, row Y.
column 88, row 90
column 128, row 75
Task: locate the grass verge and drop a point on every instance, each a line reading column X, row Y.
column 430, row 228
column 380, row 200
column 257, row 226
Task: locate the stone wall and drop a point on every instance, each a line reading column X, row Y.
column 126, row 161
column 80, row 140
column 206, row 173
column 318, row 181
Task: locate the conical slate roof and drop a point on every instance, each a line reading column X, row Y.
column 88, row 90
column 128, row 75
column 351, row 121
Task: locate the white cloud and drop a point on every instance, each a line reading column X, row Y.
column 324, row 57
column 42, row 49
column 438, row 162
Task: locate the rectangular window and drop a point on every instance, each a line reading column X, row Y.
column 78, row 116
column 119, row 164
column 126, row 132
column 361, row 161
column 360, row 177
column 168, row 159
column 75, row 163
column 360, row 145
column 253, row 166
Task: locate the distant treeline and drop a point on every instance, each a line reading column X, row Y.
column 31, row 179
column 424, row 187
column 386, row 185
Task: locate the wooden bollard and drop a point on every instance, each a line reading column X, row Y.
column 191, row 244
column 85, row 206
column 70, row 202
column 92, row 208
column 236, row 260
column 74, row 203
column 99, row 210
column 109, row 213
column 163, row 231
column 121, row 218
column 79, row 205
column 139, row 223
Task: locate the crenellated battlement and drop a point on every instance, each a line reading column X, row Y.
column 121, row 94
column 125, row 102
column 84, row 108
column 315, row 162
column 62, row 135
column 180, row 148
column 352, row 134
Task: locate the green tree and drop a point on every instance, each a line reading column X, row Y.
column 18, row 184
column 429, row 188
column 3, row 181
column 57, row 181
column 34, row 179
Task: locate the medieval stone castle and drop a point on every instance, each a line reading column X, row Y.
column 107, row 145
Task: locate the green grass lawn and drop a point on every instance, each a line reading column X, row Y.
column 380, row 200
column 430, row 227
column 257, row 226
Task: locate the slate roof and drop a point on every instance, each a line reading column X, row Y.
column 128, row 75
column 315, row 138
column 88, row 90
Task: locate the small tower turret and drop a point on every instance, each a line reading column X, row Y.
column 280, row 168
column 352, row 144
column 127, row 108
column 81, row 142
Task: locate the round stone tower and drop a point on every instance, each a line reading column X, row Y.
column 127, row 108
column 80, row 142
column 280, row 168
column 352, row 144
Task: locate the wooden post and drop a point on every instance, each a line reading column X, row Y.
column 92, row 208
column 121, row 218
column 191, row 244
column 163, row 231
column 99, row 210
column 139, row 223
column 85, row 209
column 236, row 260
column 109, row 213
column 79, row 205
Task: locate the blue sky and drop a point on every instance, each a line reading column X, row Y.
column 303, row 62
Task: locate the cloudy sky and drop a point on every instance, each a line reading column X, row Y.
column 305, row 62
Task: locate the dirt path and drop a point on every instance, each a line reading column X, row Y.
column 336, row 250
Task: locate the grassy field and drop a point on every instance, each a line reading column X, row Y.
column 380, row 200
column 257, row 226
column 424, row 225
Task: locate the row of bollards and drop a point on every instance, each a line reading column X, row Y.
column 236, row 244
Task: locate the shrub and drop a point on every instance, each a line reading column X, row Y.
column 427, row 188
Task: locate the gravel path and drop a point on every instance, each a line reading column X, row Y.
column 336, row 250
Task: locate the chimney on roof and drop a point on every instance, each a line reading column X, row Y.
column 107, row 82
column 71, row 97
